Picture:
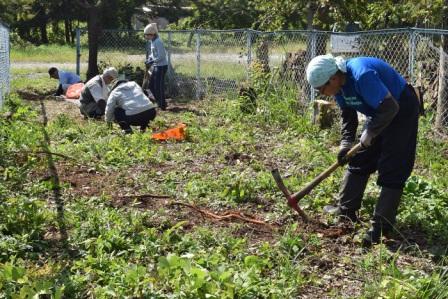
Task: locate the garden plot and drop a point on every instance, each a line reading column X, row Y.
column 101, row 214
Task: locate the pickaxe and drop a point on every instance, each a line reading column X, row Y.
column 293, row 199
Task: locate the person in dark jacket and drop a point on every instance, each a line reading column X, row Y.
column 372, row 87
column 157, row 62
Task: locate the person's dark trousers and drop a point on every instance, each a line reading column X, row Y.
column 351, row 194
column 393, row 151
column 393, row 155
column 59, row 91
column 93, row 109
column 157, row 85
column 141, row 119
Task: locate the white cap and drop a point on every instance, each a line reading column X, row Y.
column 151, row 29
column 321, row 68
column 110, row 71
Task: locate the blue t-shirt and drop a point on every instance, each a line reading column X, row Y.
column 368, row 80
column 66, row 79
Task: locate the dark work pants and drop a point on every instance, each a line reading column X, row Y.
column 59, row 91
column 157, row 85
column 93, row 109
column 393, row 151
column 141, row 119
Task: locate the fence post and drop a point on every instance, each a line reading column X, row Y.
column 170, row 68
column 4, row 61
column 442, row 103
column 249, row 52
column 78, row 51
column 411, row 55
column 198, row 65
column 313, row 42
column 169, row 50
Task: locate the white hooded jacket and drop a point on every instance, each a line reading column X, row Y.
column 128, row 96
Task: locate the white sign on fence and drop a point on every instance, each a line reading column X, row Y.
column 344, row 43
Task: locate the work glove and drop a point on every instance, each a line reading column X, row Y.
column 343, row 150
column 366, row 138
column 149, row 62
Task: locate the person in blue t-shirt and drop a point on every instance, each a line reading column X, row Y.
column 372, row 87
column 156, row 60
column 65, row 79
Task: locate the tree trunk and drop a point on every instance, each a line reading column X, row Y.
column 311, row 10
column 43, row 32
column 94, row 28
column 67, row 30
column 72, row 33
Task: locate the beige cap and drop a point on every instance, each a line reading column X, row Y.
column 151, row 29
column 110, row 71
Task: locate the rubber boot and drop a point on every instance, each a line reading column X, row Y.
column 384, row 215
column 350, row 196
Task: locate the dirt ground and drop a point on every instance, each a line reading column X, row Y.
column 334, row 263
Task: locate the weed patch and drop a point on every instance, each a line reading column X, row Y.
column 229, row 234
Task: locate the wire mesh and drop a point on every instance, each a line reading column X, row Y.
column 431, row 76
column 217, row 62
column 4, row 61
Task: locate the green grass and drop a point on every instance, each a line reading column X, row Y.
column 36, row 79
column 46, row 53
column 146, row 248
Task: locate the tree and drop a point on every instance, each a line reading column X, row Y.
column 280, row 15
column 172, row 10
column 221, row 14
column 104, row 14
column 93, row 10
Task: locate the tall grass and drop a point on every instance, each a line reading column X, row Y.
column 46, row 53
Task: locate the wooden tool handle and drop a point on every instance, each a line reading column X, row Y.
column 307, row 189
column 291, row 201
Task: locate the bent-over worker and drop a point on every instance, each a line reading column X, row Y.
column 372, row 87
column 65, row 79
column 128, row 106
column 95, row 92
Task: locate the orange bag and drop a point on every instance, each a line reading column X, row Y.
column 177, row 133
column 74, row 91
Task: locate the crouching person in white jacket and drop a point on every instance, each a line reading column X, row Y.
column 128, row 106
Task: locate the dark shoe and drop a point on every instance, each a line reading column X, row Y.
column 162, row 104
column 127, row 131
column 343, row 214
column 373, row 236
column 384, row 216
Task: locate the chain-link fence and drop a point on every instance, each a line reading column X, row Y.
column 4, row 61
column 217, row 62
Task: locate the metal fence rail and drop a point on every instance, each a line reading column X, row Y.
column 4, row 61
column 216, row 62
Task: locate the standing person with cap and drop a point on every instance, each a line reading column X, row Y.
column 128, row 106
column 65, row 79
column 157, row 61
column 372, row 87
column 95, row 93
